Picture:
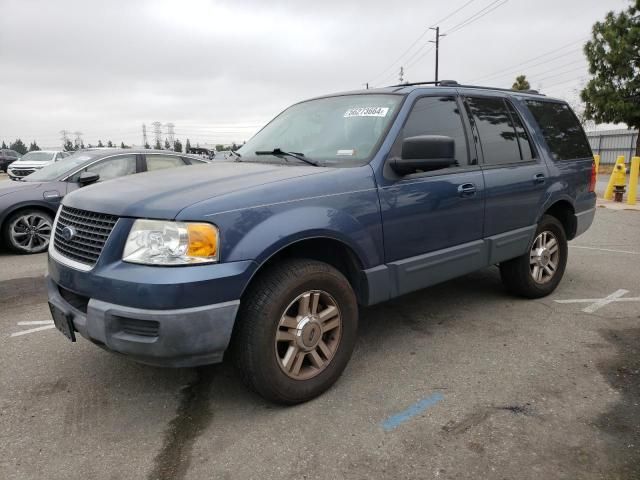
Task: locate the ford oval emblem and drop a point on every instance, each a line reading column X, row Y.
column 68, row 233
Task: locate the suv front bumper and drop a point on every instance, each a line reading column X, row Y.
column 171, row 338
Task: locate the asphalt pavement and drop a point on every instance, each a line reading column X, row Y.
column 459, row 381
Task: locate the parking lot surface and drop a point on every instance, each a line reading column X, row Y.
column 456, row 381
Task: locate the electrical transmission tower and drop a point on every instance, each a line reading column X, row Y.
column 64, row 136
column 171, row 134
column 157, row 132
column 78, row 139
column 144, row 136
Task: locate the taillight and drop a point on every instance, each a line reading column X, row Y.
column 594, row 177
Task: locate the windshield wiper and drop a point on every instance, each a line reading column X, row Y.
column 296, row 155
column 238, row 156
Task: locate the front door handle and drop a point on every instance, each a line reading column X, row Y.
column 538, row 178
column 467, row 190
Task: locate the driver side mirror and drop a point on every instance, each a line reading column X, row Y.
column 87, row 178
column 425, row 153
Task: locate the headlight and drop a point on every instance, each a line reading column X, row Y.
column 158, row 242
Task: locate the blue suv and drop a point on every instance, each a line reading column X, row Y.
column 340, row 201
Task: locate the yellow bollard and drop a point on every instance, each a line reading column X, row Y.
column 596, row 160
column 633, row 181
column 617, row 175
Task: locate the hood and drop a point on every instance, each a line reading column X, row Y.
column 8, row 186
column 28, row 164
column 164, row 193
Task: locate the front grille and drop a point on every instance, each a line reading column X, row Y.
column 23, row 172
column 90, row 232
column 142, row 328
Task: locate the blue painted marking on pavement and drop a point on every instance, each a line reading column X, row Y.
column 396, row 420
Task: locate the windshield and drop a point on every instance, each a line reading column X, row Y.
column 38, row 157
column 339, row 131
column 58, row 169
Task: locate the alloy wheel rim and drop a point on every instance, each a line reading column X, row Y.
column 308, row 335
column 544, row 257
column 31, row 232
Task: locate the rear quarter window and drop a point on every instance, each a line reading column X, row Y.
column 561, row 130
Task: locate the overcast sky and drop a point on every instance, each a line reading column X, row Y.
column 219, row 69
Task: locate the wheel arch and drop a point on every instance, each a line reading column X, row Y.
column 564, row 211
column 44, row 206
column 328, row 249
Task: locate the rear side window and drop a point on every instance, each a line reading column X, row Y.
column 560, row 129
column 496, row 130
column 160, row 162
column 438, row 116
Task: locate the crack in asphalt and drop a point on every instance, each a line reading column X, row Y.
column 192, row 417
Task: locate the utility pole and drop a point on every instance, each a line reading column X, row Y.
column 437, row 42
column 144, row 136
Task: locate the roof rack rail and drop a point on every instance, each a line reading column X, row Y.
column 439, row 82
column 453, row 83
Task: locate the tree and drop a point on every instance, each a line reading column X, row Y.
column 123, row 145
column 158, row 145
column 68, row 146
column 110, row 144
column 147, row 146
column 521, row 83
column 4, row 145
column 34, row 146
column 18, row 146
column 612, row 95
column 177, row 146
column 100, row 145
column 219, row 147
column 234, row 147
column 167, row 145
column 187, row 146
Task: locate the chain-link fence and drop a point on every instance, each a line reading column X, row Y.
column 609, row 144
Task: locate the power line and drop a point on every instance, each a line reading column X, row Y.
column 399, row 59
column 498, row 72
column 477, row 16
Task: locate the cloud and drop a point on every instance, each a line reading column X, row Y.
column 218, row 70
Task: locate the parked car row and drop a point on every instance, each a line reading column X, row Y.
column 27, row 206
column 7, row 157
column 32, row 161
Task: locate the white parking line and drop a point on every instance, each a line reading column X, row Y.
column 598, row 303
column 628, row 252
column 32, row 330
column 37, row 322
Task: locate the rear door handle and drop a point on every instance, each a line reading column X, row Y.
column 467, row 190
column 538, row 178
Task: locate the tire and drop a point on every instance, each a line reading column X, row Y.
column 518, row 274
column 273, row 306
column 28, row 231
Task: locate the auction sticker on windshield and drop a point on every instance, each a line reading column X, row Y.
column 367, row 112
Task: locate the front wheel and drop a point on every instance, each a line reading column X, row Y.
column 297, row 327
column 28, row 231
column 538, row 272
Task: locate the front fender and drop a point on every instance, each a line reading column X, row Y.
column 284, row 228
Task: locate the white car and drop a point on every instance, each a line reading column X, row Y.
column 32, row 161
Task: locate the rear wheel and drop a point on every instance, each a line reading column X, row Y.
column 296, row 330
column 538, row 272
column 28, row 231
